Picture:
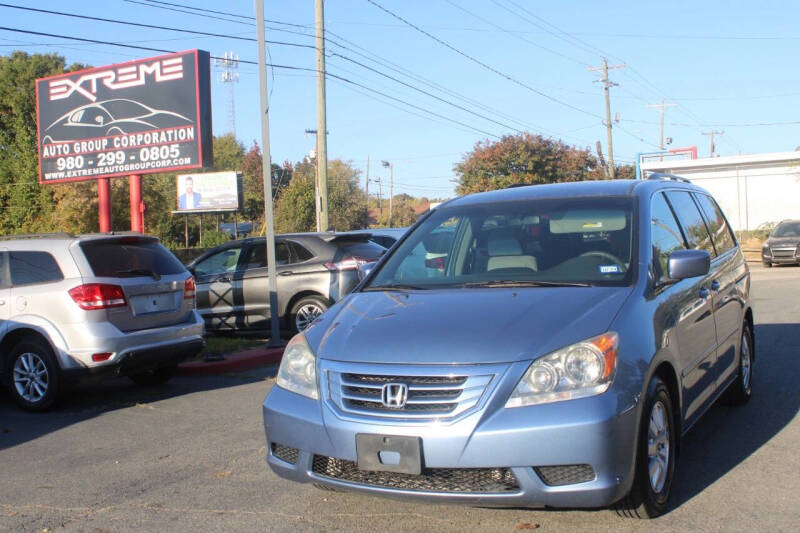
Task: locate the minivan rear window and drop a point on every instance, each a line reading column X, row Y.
column 116, row 258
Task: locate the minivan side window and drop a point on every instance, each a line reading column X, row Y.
column 720, row 232
column 692, row 221
column 219, row 263
column 27, row 268
column 666, row 235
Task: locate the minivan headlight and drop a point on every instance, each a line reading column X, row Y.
column 298, row 370
column 583, row 369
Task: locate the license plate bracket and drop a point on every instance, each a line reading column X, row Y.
column 389, row 453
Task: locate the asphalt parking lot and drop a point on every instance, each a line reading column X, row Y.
column 190, row 456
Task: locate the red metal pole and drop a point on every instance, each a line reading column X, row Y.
column 104, row 204
column 137, row 207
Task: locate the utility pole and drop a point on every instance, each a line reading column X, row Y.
column 712, row 133
column 606, row 85
column 322, row 131
column 266, row 165
column 380, row 198
column 661, row 108
column 391, row 187
column 366, row 220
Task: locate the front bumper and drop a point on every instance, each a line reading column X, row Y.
column 598, row 431
column 780, row 256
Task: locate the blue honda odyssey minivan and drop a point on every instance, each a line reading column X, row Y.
column 536, row 346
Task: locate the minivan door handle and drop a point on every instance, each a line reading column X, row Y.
column 715, row 286
column 285, row 273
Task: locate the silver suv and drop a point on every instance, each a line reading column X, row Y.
column 72, row 307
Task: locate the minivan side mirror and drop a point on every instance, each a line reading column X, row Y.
column 365, row 268
column 683, row 264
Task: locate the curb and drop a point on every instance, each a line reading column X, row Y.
column 243, row 360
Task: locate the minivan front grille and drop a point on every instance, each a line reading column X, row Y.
column 482, row 480
column 440, row 392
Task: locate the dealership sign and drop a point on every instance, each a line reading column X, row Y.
column 143, row 116
column 212, row 192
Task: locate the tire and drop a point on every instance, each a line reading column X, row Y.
column 34, row 375
column 649, row 495
column 156, row 376
column 304, row 311
column 740, row 391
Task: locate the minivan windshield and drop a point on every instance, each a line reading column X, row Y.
column 548, row 242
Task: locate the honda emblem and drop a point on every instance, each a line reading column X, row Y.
column 394, row 395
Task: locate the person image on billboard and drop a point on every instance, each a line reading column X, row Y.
column 189, row 199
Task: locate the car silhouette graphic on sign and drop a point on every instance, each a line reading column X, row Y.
column 110, row 117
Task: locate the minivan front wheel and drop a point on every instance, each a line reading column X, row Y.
column 34, row 380
column 655, row 455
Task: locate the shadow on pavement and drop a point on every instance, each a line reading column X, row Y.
column 726, row 436
column 90, row 400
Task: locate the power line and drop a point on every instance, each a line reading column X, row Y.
column 152, row 26
column 481, row 63
column 504, row 30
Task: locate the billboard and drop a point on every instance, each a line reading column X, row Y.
column 211, row 192
column 143, row 116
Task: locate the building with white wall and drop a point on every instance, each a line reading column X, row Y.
column 751, row 189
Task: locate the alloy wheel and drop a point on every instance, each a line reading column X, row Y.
column 658, row 447
column 306, row 315
column 746, row 362
column 31, row 378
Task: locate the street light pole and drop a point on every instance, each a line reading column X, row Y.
column 391, row 187
column 322, row 129
column 266, row 165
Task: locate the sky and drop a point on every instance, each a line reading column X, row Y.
column 490, row 68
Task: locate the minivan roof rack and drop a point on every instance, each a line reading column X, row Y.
column 54, row 235
column 664, row 176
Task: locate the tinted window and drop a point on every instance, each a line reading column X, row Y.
column 666, row 235
column 583, row 240
column 364, row 249
column 300, row 252
column 693, row 225
column 257, row 255
column 33, row 267
column 219, row 263
column 720, row 232
column 130, row 258
column 3, row 280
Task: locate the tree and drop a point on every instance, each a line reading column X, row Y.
column 26, row 206
column 295, row 210
column 523, row 158
column 403, row 213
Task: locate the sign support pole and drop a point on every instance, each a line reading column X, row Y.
column 137, row 215
column 275, row 337
column 104, row 204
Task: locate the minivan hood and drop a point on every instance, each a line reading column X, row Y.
column 463, row 326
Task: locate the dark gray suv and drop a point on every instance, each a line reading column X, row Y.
column 782, row 247
column 535, row 346
column 314, row 270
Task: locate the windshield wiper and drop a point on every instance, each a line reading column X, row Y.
column 522, row 283
column 139, row 272
column 394, row 287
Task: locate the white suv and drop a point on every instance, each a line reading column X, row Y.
column 72, row 307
